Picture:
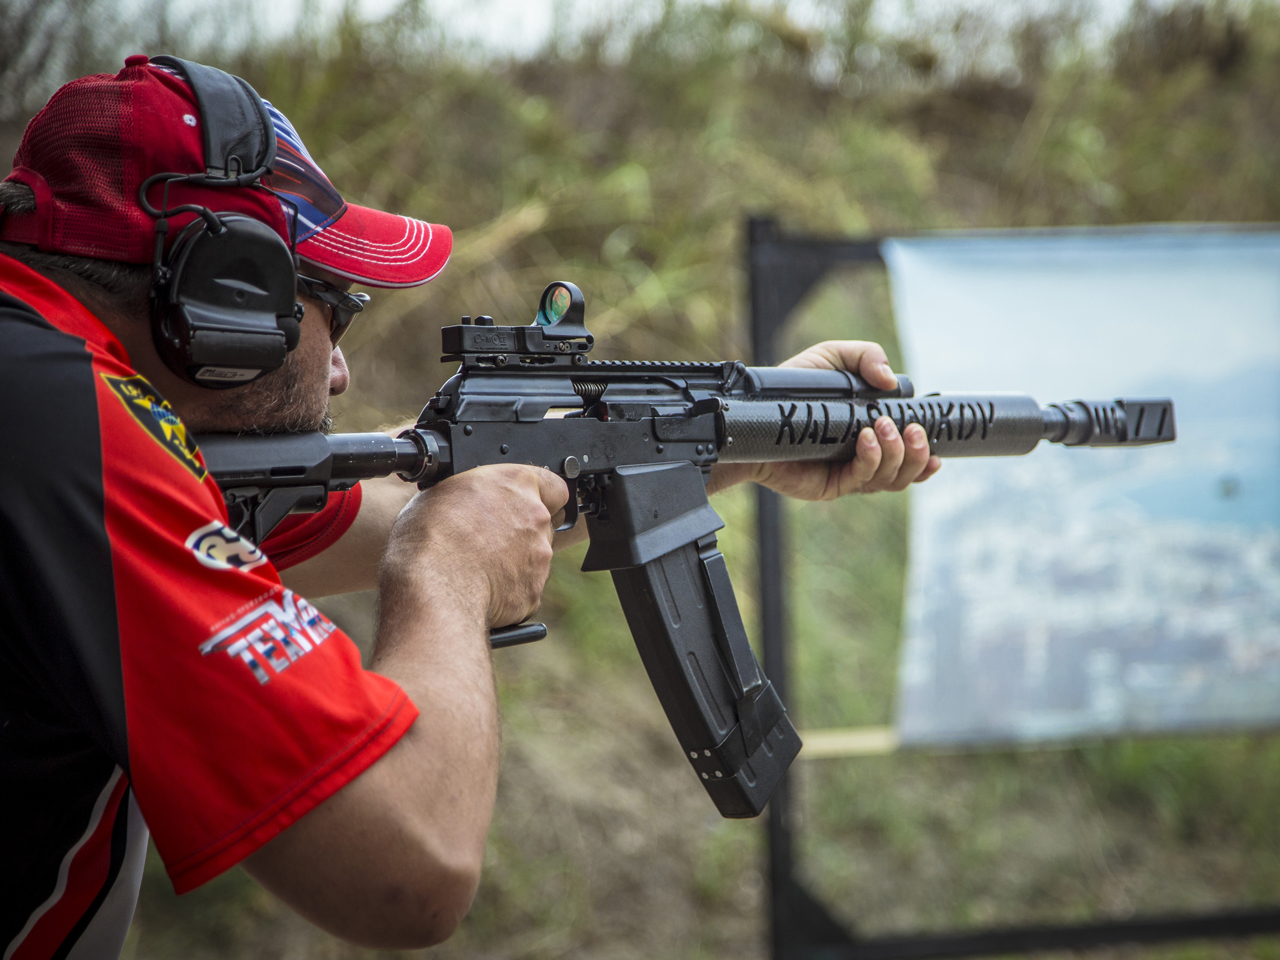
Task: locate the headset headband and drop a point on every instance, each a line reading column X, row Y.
column 224, row 303
column 237, row 128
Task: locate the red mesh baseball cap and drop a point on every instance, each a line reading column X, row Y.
column 98, row 138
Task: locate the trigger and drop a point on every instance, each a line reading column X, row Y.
column 570, row 508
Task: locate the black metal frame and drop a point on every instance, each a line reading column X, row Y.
column 781, row 270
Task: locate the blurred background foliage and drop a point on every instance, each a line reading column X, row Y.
column 625, row 157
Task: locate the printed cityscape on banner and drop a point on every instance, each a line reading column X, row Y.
column 1083, row 592
column 1090, row 592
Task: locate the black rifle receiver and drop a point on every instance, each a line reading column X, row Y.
column 636, row 441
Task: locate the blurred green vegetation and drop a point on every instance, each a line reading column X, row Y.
column 625, row 158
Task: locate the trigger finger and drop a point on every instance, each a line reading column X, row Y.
column 553, row 491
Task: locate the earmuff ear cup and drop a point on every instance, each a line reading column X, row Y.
column 227, row 314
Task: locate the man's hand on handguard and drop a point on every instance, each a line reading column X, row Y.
column 885, row 459
column 393, row 859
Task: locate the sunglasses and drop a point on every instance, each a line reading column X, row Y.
column 343, row 306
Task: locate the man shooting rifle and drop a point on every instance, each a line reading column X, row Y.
column 172, row 263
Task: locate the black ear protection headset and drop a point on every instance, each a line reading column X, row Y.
column 224, row 309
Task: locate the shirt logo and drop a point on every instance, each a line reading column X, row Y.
column 219, row 547
column 272, row 635
column 154, row 414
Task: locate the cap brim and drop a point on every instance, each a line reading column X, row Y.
column 380, row 249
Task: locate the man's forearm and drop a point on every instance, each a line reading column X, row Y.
column 393, row 859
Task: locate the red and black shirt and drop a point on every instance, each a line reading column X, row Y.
column 154, row 672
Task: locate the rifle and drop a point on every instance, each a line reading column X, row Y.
column 635, row 441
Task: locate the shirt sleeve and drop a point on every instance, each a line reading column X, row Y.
column 246, row 707
column 300, row 537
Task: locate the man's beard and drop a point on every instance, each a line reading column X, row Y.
column 280, row 402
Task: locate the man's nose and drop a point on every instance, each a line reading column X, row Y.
column 339, row 375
